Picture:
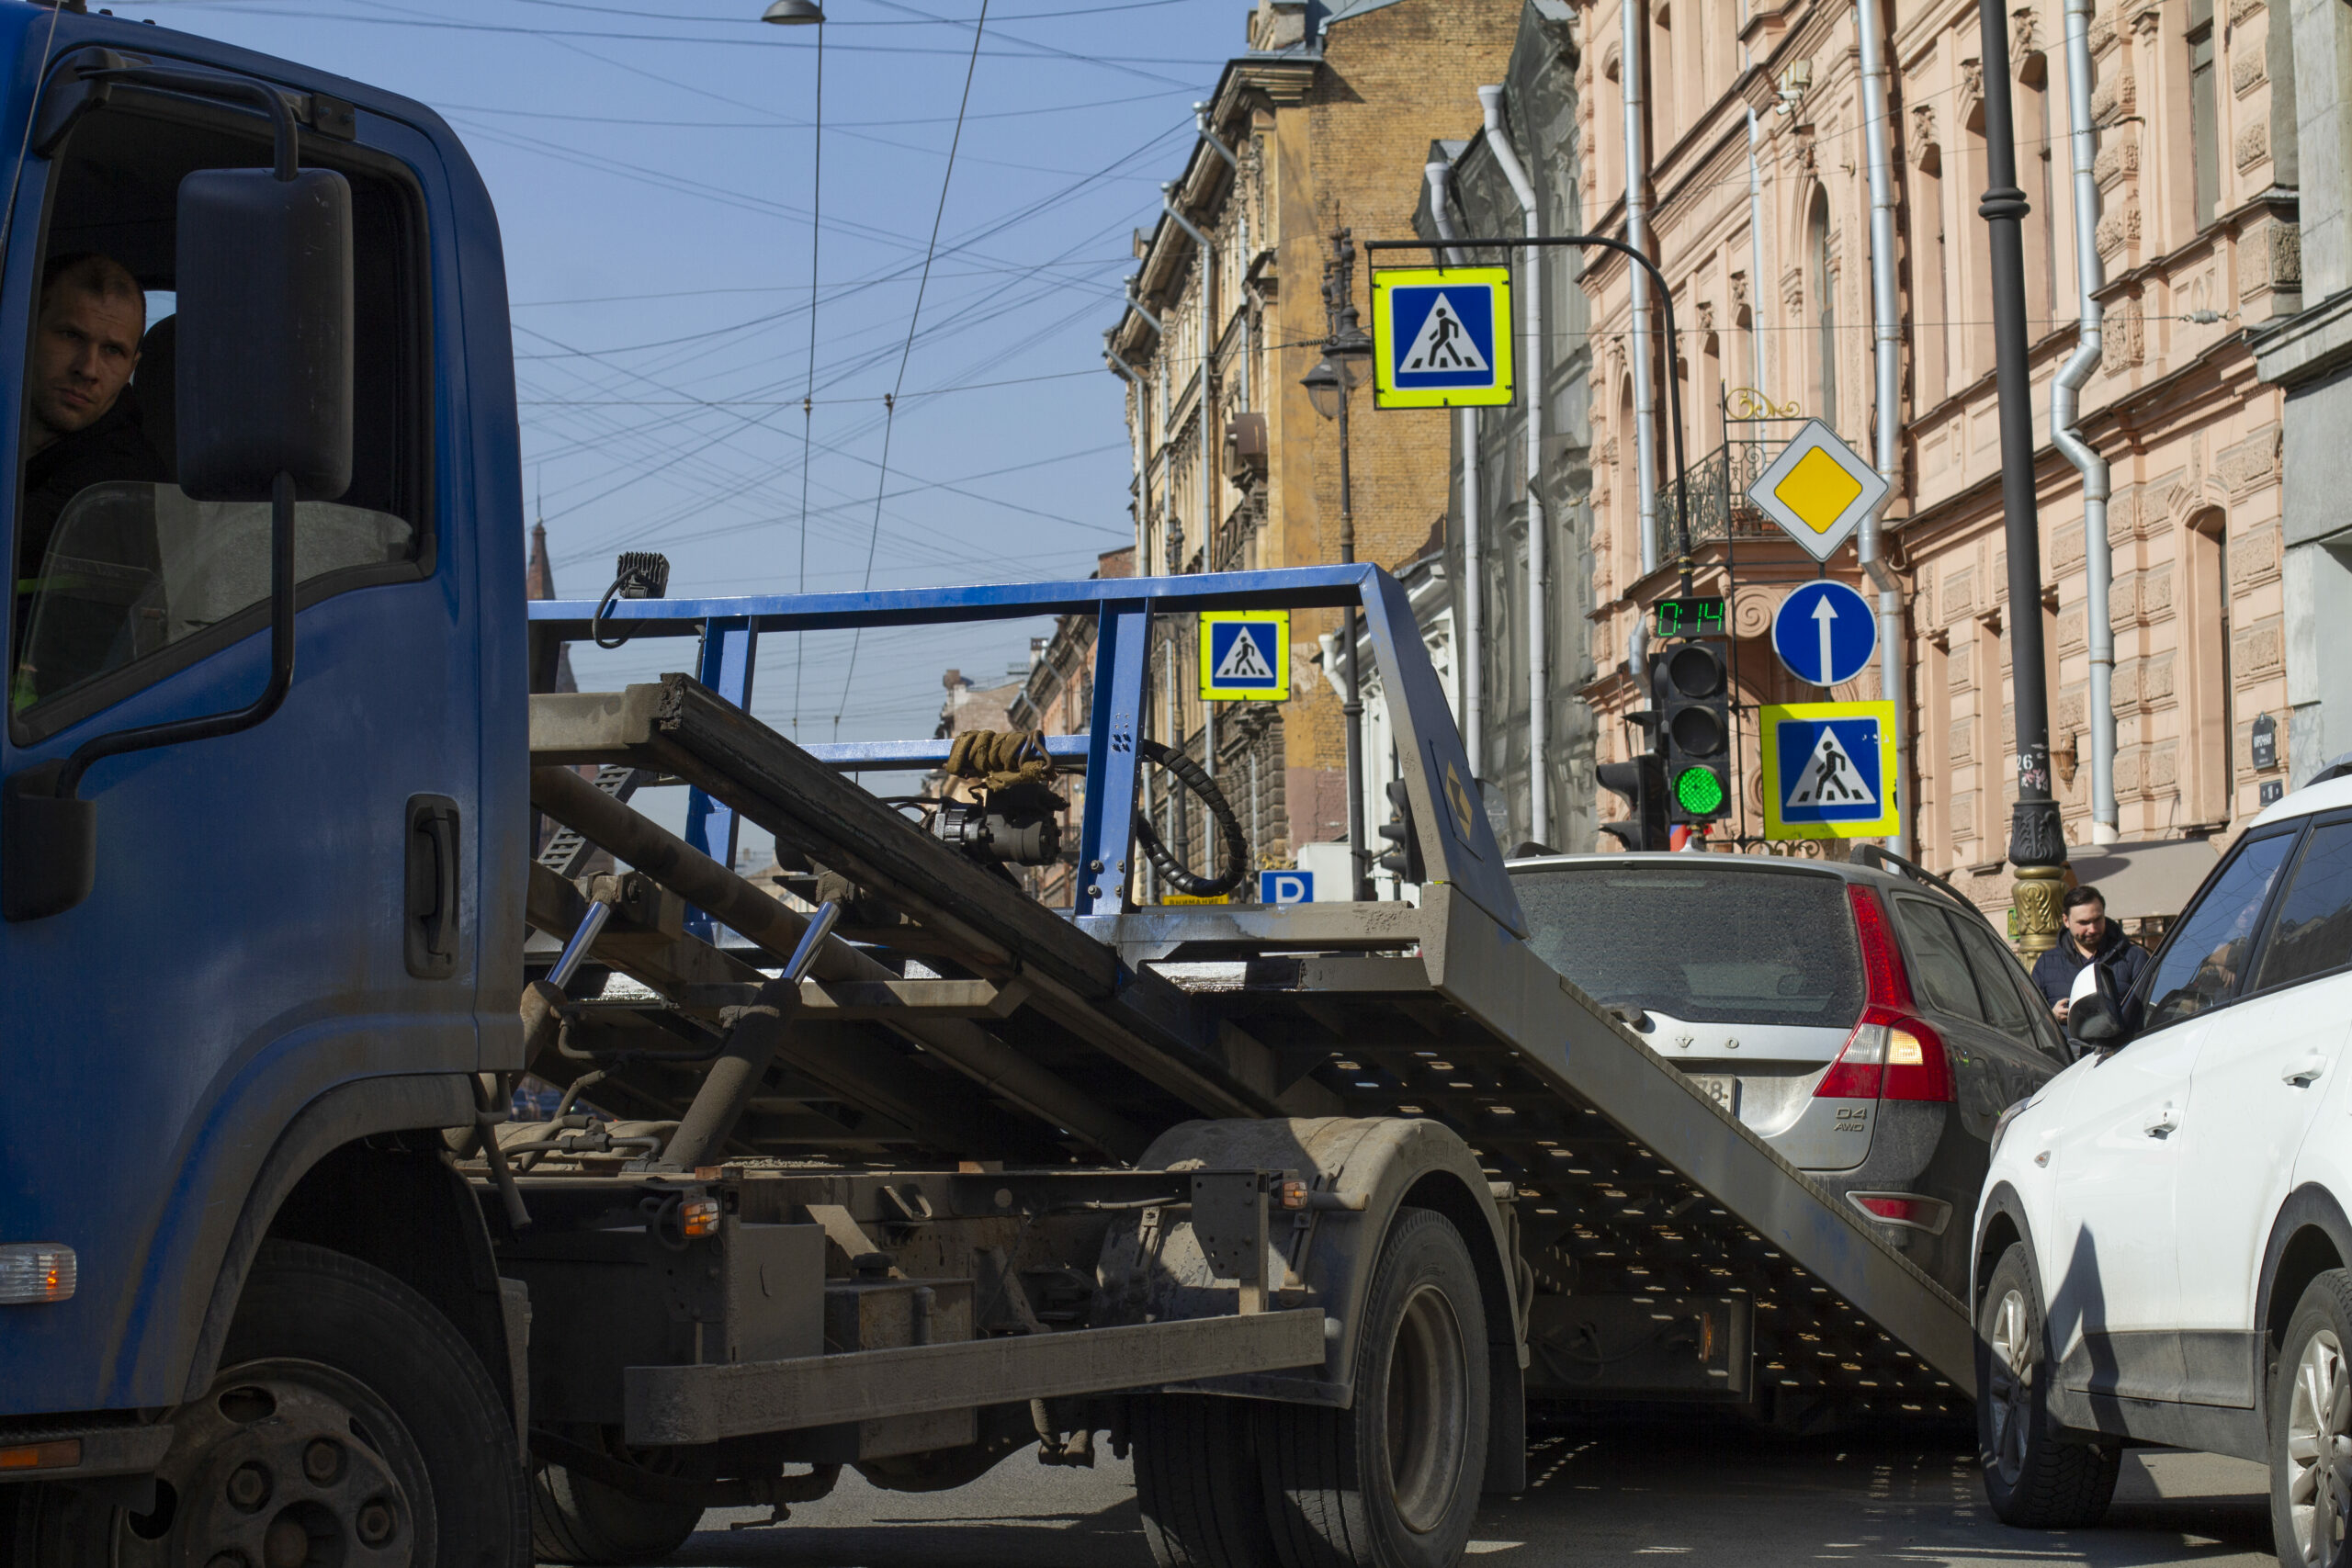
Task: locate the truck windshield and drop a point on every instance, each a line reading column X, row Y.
column 1703, row 945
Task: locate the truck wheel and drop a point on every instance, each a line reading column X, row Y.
column 2311, row 1429
column 2033, row 1480
column 1197, row 1481
column 1394, row 1482
column 575, row 1519
column 350, row 1424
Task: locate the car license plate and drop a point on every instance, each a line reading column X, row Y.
column 1721, row 1087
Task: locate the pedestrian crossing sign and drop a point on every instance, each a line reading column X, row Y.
column 1245, row 655
column 1829, row 770
column 1440, row 337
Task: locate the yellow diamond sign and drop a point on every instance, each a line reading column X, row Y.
column 1818, row 489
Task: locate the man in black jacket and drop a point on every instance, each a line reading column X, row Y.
column 2087, row 936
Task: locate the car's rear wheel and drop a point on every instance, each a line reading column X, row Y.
column 2032, row 1478
column 2311, row 1429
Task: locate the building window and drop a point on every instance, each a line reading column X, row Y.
column 1930, row 321
column 2204, row 111
column 1821, row 286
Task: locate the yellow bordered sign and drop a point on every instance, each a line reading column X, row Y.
column 1829, row 770
column 1245, row 656
column 1440, row 337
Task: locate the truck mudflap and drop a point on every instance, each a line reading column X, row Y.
column 709, row 1404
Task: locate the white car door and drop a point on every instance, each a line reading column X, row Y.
column 2109, row 1265
column 2263, row 1067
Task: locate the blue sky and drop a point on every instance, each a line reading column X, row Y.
column 653, row 169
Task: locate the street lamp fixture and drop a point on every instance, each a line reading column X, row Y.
column 793, row 13
column 1325, row 385
column 1349, row 348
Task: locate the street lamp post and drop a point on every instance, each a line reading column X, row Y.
column 2037, row 842
column 1347, row 360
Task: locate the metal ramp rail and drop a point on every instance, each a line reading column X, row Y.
column 1629, row 1180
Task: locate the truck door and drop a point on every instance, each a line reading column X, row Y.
column 275, row 911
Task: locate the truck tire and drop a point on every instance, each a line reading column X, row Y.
column 350, row 1423
column 1197, row 1481
column 575, row 1519
column 1393, row 1481
column 2311, row 1429
column 2032, row 1479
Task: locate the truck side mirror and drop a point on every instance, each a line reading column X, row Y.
column 265, row 375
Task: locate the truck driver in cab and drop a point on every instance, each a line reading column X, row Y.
column 81, row 430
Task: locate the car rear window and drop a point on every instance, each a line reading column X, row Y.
column 1703, row 943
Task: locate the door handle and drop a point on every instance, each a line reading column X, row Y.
column 430, row 937
column 2161, row 1123
column 2304, row 1074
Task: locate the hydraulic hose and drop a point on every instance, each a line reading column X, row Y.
column 1237, row 843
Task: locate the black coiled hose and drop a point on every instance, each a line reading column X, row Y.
column 1237, row 845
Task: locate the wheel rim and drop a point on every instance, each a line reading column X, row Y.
column 286, row 1464
column 1428, row 1399
column 2319, row 1452
column 2008, row 1402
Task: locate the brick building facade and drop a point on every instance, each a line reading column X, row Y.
column 1320, row 126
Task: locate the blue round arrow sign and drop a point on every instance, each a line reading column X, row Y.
column 1824, row 633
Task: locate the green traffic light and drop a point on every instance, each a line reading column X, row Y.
column 1699, row 791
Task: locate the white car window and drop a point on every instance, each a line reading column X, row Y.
column 2314, row 933
column 2199, row 967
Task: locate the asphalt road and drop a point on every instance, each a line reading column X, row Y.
column 1597, row 1496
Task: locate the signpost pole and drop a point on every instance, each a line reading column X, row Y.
column 2037, row 842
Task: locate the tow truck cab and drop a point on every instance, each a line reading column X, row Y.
column 302, row 937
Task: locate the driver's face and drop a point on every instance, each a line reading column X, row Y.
column 83, row 356
column 2087, row 923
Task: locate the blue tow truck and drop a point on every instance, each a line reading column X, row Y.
column 305, row 860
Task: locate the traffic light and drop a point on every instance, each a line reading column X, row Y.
column 1693, row 701
column 1643, row 784
column 1402, row 859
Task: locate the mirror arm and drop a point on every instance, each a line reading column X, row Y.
column 172, row 732
column 210, row 85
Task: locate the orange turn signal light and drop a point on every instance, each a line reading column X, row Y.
column 62, row 1454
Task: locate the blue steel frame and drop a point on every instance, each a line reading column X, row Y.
column 1457, row 845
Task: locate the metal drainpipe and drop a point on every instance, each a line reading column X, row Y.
column 1637, row 163
column 1755, row 251
column 1530, row 368
column 1472, row 589
column 1886, row 326
column 2065, row 429
column 1203, row 255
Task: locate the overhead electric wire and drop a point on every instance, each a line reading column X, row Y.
column 809, row 398
column 914, row 319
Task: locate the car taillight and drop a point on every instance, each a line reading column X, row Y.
column 1890, row 1054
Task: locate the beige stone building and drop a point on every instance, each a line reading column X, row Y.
column 1764, row 235
column 1321, row 126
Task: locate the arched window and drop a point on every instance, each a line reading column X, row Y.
column 1821, row 290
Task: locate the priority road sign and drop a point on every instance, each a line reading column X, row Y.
column 1440, row 337
column 1818, row 489
column 1245, row 655
column 1824, row 633
column 1829, row 770
column 1285, row 887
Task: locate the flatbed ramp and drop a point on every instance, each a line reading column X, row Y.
column 1628, row 1181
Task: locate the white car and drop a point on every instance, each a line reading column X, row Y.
column 2161, row 1250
